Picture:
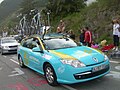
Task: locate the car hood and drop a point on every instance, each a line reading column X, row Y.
column 10, row 44
column 86, row 55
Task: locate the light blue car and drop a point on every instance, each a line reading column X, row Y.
column 62, row 60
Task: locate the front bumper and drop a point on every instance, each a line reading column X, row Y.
column 72, row 75
column 9, row 50
column 90, row 74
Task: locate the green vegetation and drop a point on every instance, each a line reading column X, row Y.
column 7, row 7
column 63, row 7
column 98, row 16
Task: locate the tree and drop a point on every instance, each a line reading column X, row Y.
column 64, row 6
column 26, row 6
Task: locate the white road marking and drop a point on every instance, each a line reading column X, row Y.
column 16, row 72
column 117, row 67
column 114, row 74
column 4, row 56
column 21, row 72
column 15, row 57
column 68, row 87
column 14, row 61
column 0, row 68
column 114, row 62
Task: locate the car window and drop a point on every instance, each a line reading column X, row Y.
column 52, row 44
column 34, row 44
column 31, row 43
column 26, row 43
column 36, row 40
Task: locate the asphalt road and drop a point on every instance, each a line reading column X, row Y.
column 12, row 77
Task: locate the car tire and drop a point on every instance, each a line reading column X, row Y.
column 50, row 75
column 1, row 52
column 21, row 63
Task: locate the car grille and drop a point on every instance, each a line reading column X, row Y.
column 13, row 46
column 90, row 75
column 13, row 50
column 95, row 63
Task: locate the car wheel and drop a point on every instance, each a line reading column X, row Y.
column 21, row 63
column 50, row 75
column 1, row 52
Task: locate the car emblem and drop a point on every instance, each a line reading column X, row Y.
column 95, row 59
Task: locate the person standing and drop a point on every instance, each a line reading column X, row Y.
column 88, row 37
column 59, row 30
column 61, row 27
column 82, row 36
column 116, row 32
column 71, row 34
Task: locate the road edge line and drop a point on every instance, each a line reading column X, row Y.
column 68, row 87
column 14, row 61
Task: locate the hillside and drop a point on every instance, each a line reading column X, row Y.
column 10, row 9
column 98, row 16
column 7, row 7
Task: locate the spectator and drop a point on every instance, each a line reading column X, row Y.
column 103, row 43
column 116, row 27
column 61, row 27
column 88, row 37
column 59, row 30
column 71, row 35
column 82, row 36
column 94, row 45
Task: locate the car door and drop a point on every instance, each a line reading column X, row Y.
column 35, row 57
column 26, row 50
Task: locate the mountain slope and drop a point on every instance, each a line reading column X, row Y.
column 98, row 16
column 7, row 7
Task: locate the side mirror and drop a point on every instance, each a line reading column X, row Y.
column 37, row 49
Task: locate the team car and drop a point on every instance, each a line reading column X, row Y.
column 62, row 60
column 8, row 45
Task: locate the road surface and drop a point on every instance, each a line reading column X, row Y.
column 12, row 77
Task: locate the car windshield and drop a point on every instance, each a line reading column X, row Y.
column 52, row 44
column 8, row 41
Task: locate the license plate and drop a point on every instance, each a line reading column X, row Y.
column 98, row 68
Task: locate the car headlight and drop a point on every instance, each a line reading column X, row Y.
column 106, row 58
column 4, row 47
column 74, row 63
